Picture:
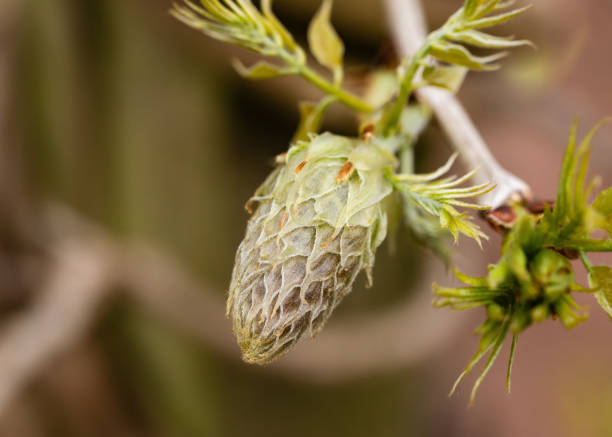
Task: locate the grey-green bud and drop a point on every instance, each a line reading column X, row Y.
column 318, row 222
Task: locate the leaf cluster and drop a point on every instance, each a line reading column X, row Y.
column 534, row 280
column 463, row 30
column 239, row 22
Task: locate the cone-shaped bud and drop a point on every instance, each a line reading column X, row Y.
column 318, row 222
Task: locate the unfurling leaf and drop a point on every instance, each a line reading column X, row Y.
column 281, row 31
column 458, row 55
column 449, row 78
column 600, row 278
column 260, row 71
column 572, row 220
column 440, row 197
column 471, row 6
column 486, row 41
column 325, row 44
column 241, row 23
column 495, row 20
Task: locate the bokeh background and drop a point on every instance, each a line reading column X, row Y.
column 119, row 122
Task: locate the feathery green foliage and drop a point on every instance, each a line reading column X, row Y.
column 534, row 279
column 451, row 44
column 239, row 22
column 440, row 197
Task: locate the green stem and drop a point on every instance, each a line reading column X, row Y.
column 392, row 120
column 591, row 247
column 585, row 261
column 407, row 156
column 297, row 61
column 323, row 84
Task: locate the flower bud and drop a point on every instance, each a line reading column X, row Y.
column 540, row 312
column 553, row 272
column 496, row 312
column 318, row 223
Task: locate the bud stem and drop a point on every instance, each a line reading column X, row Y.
column 332, row 89
column 343, row 96
column 585, row 261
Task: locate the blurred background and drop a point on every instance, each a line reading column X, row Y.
column 128, row 147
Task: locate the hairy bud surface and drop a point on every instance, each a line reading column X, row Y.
column 318, row 222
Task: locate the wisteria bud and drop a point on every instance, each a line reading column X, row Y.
column 318, row 221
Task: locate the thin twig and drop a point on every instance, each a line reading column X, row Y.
column 409, row 32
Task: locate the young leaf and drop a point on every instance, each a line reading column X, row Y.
column 494, row 20
column 238, row 22
column 560, row 211
column 488, row 6
column 449, row 78
column 325, row 44
column 260, row 71
column 603, row 208
column 470, row 7
column 496, row 349
column 486, row 41
column 285, row 35
column 600, row 279
column 511, row 361
column 459, row 55
column 439, row 198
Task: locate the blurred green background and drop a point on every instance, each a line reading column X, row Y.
column 141, row 125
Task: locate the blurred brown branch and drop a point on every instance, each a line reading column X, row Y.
column 66, row 305
column 87, row 265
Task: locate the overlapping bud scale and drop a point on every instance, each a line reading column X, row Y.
column 318, row 221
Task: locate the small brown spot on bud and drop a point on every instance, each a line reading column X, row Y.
column 368, row 132
column 328, row 241
column 300, row 167
column 283, row 221
column 250, row 206
column 345, row 172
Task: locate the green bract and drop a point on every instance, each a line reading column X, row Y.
column 318, row 223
